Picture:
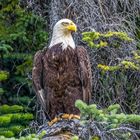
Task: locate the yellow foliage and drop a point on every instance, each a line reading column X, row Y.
column 95, row 138
column 103, row 44
column 3, row 75
column 131, row 65
column 108, row 68
column 103, row 67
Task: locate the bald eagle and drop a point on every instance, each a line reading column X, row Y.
column 62, row 73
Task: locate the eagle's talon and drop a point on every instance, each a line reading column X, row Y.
column 70, row 116
column 76, row 117
column 65, row 116
column 54, row 121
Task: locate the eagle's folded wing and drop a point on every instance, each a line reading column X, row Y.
column 37, row 78
column 85, row 73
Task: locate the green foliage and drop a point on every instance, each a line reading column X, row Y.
column 107, row 119
column 5, row 120
column 24, row 100
column 3, row 75
column 75, row 138
column 1, row 91
column 22, row 27
column 18, row 56
column 22, row 33
column 12, row 130
column 5, row 48
column 22, row 118
column 95, row 138
column 12, row 124
column 6, row 133
column 28, row 137
column 16, row 129
column 24, row 68
column 5, row 109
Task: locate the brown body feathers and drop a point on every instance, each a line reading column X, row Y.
column 60, row 77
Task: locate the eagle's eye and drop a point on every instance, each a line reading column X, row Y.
column 65, row 23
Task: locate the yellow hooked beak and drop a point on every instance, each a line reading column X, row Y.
column 72, row 27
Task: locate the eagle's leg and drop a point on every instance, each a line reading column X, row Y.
column 63, row 116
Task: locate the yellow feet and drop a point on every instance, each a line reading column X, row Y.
column 56, row 119
column 70, row 116
column 63, row 116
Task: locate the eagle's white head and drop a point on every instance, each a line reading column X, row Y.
column 62, row 33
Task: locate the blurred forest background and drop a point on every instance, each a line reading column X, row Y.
column 114, row 49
